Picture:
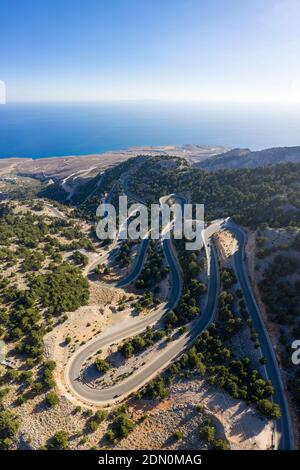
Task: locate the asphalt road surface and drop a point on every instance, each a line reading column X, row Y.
column 283, row 425
column 74, row 375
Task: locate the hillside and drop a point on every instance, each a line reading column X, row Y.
column 245, row 158
column 250, row 196
column 50, row 251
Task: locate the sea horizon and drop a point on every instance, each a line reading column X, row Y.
column 64, row 129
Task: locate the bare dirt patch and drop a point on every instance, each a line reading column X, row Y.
column 226, row 244
column 241, row 425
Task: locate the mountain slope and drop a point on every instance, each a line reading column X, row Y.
column 245, row 158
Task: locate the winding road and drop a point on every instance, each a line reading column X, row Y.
column 103, row 397
column 284, row 427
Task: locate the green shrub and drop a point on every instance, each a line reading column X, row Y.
column 178, row 435
column 221, row 444
column 52, row 399
column 9, row 425
column 60, row 440
column 102, row 365
column 207, row 433
column 269, row 409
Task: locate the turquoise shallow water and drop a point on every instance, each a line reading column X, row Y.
column 45, row 130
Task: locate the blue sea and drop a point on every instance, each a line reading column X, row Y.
column 46, row 130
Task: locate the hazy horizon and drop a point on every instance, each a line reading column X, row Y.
column 86, row 77
column 61, row 129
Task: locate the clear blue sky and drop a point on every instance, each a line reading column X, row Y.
column 233, row 50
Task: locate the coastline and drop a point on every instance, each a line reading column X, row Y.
column 64, row 166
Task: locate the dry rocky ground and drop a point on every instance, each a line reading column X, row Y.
column 237, row 422
column 226, row 244
column 155, row 421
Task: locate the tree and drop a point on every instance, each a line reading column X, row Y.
column 269, row 409
column 207, row 433
column 3, row 393
column 228, row 278
column 80, row 259
column 9, row 425
column 48, row 378
column 62, row 290
column 127, row 349
column 263, row 360
column 101, row 365
column 37, row 387
column 156, row 389
column 99, row 416
column 171, row 317
column 60, row 440
column 221, row 444
column 178, row 435
column 110, row 435
column 138, row 343
column 52, row 399
column 193, row 268
column 122, row 425
column 93, row 425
